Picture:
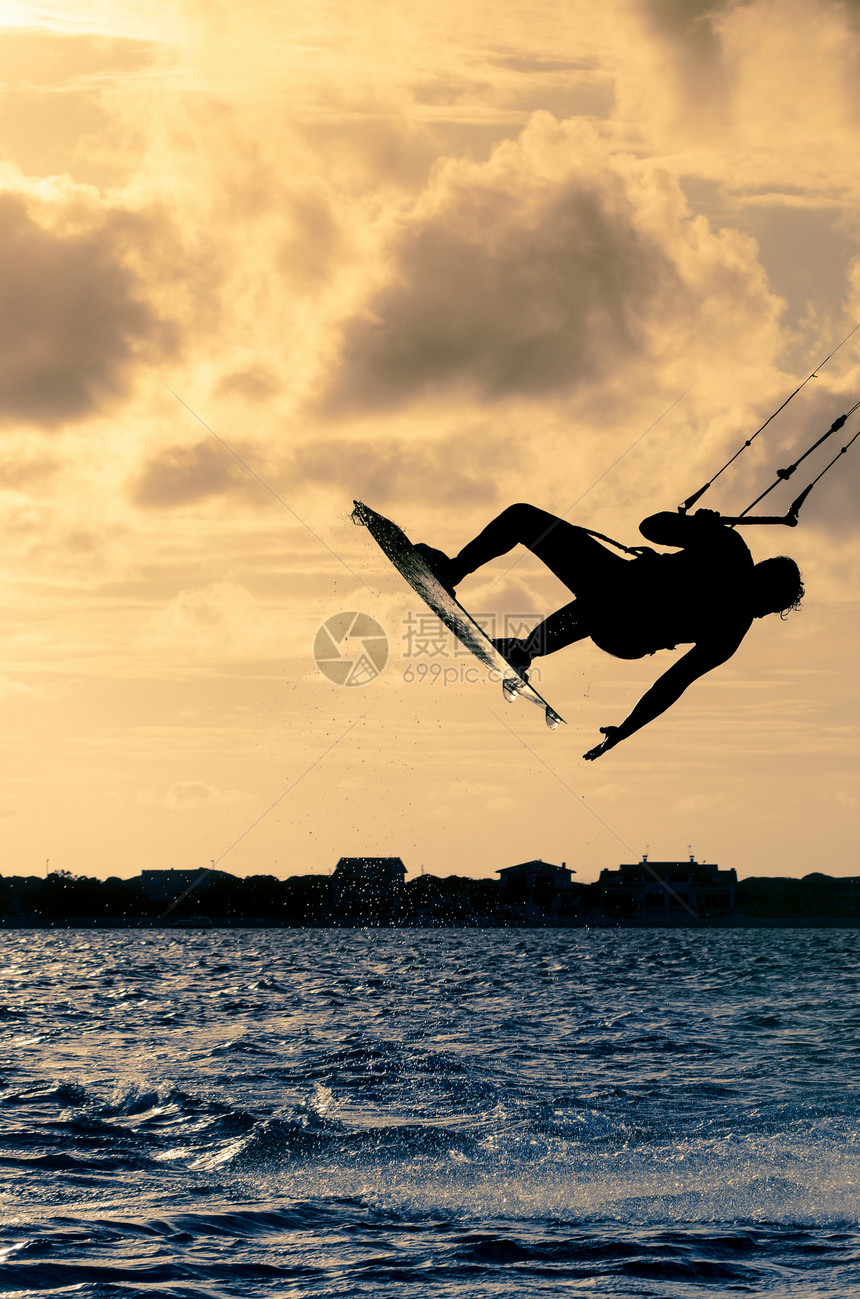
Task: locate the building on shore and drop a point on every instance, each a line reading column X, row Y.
column 536, row 889
column 536, row 874
column 667, row 890
column 368, row 887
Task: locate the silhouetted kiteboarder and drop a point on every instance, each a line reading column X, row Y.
column 708, row 593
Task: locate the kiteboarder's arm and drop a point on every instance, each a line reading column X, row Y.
column 704, row 528
column 666, row 690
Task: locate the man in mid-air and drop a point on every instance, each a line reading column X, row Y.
column 708, row 593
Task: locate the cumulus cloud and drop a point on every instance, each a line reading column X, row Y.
column 217, row 621
column 206, row 612
column 543, row 270
column 689, row 34
column 73, row 316
column 754, row 96
column 56, row 88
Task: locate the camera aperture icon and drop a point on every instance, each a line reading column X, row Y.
column 351, row 648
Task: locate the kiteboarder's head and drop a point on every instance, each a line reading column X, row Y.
column 778, row 586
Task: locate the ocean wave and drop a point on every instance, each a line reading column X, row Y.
column 516, row 1114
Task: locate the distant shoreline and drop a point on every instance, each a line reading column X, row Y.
column 370, row 893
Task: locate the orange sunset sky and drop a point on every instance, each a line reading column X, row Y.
column 440, row 257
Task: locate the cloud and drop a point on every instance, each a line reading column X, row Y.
column 759, row 96
column 193, row 796
column 178, row 475
column 460, row 469
column 690, row 28
column 10, row 689
column 447, row 90
column 681, row 71
column 56, row 88
column 206, row 613
column 32, row 57
column 73, row 317
column 27, row 469
column 464, row 467
column 374, row 152
column 254, row 383
column 543, row 63
column 696, row 803
column 545, row 269
column 219, row 621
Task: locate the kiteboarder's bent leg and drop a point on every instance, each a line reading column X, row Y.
column 568, row 551
column 561, row 628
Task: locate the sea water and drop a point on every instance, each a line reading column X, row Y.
column 448, row 1113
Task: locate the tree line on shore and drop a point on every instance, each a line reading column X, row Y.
column 219, row 898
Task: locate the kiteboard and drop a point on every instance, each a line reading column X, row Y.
column 395, row 544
